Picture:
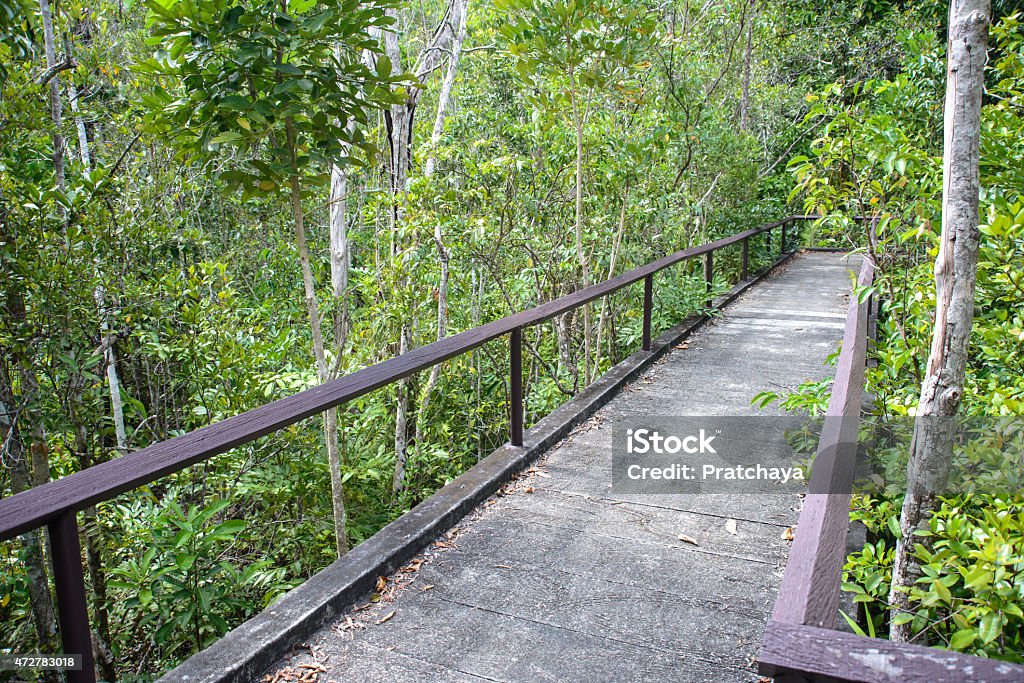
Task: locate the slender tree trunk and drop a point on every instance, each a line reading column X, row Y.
column 399, row 121
column 401, row 420
column 54, row 90
column 616, row 244
column 745, row 96
column 955, row 270
column 113, row 382
column 577, row 117
column 443, row 254
column 340, row 257
column 21, row 480
column 445, row 94
column 330, row 415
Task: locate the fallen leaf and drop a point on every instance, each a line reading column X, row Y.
column 787, row 534
column 528, row 489
column 686, row 539
column 382, row 583
column 427, row 587
column 730, row 526
column 543, row 474
column 502, row 566
column 387, row 616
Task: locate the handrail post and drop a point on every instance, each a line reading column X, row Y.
column 648, row 306
column 516, row 386
column 745, row 261
column 709, row 275
column 66, row 551
column 782, row 238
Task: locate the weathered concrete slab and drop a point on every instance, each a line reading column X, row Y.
column 562, row 579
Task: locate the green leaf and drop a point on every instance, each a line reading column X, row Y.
column 184, row 561
column 962, row 639
column 990, row 627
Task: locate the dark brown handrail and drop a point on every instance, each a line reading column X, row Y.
column 819, row 548
column 56, row 503
column 36, row 507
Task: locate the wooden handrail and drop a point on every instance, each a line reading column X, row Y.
column 809, row 593
column 38, row 506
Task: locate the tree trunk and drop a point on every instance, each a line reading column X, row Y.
column 340, row 257
column 54, row 89
column 402, row 389
column 955, row 269
column 577, row 117
column 443, row 254
column 745, row 96
column 445, row 94
column 399, row 122
column 113, row 382
column 605, row 303
column 330, row 415
column 21, row 480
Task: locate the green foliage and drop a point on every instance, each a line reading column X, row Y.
column 241, row 71
column 183, row 579
column 178, row 222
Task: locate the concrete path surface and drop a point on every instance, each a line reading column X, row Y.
column 559, row 578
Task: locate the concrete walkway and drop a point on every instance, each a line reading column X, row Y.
column 560, row 579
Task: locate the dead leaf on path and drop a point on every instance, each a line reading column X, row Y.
column 413, row 566
column 528, row 489
column 683, row 346
column 386, row 617
column 730, row 526
column 502, row 566
column 543, row 474
column 382, row 583
column 787, row 534
column 686, row 539
column 427, row 587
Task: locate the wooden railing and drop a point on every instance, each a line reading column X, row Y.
column 800, row 643
column 56, row 504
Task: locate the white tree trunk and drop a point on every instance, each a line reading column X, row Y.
column 443, row 97
column 955, row 269
column 54, row 89
column 113, row 382
column 443, row 254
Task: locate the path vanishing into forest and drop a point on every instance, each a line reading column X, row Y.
column 560, row 579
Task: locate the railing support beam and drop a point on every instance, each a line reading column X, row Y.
column 648, row 307
column 709, row 275
column 745, row 260
column 516, row 386
column 66, row 551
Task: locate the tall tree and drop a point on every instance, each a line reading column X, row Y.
column 955, row 270
column 287, row 86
